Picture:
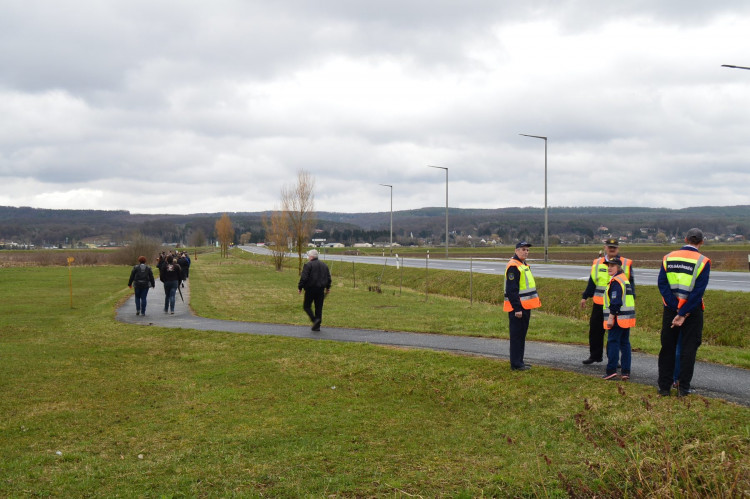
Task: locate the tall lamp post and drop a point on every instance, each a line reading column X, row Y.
column 387, row 185
column 446, row 205
column 546, row 232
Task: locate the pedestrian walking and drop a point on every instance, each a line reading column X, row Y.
column 595, row 289
column 142, row 277
column 316, row 281
column 184, row 262
column 170, row 274
column 682, row 281
column 520, row 297
column 619, row 317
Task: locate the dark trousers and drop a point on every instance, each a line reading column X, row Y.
column 618, row 342
column 691, row 334
column 141, row 295
column 596, row 332
column 518, row 329
column 316, row 295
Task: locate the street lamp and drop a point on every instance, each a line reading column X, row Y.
column 546, row 232
column 733, row 67
column 446, row 206
column 387, row 185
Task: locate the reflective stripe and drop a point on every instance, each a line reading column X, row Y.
column 682, row 268
column 627, row 265
column 600, row 276
column 526, row 287
column 626, row 317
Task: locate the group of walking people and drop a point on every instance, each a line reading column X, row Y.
column 174, row 270
column 682, row 281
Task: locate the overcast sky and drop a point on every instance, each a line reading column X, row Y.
column 191, row 106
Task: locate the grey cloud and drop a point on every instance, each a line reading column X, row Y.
column 228, row 99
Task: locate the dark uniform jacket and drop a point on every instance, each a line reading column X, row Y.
column 512, row 276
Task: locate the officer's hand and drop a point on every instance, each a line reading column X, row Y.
column 130, row 286
column 611, row 320
column 678, row 320
column 299, row 291
column 519, row 315
column 328, row 290
column 583, row 303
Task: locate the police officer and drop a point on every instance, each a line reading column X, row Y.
column 520, row 298
column 597, row 285
column 683, row 277
column 619, row 317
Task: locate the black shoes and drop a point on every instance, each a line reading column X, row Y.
column 524, row 367
column 680, row 393
column 316, row 325
column 591, row 360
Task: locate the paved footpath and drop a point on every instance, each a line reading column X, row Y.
column 710, row 380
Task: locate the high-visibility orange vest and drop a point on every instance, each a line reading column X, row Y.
column 526, row 287
column 626, row 318
column 683, row 268
column 600, row 276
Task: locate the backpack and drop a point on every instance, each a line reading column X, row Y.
column 141, row 274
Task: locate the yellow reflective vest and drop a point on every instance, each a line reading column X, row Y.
column 682, row 268
column 626, row 317
column 600, row 276
column 526, row 287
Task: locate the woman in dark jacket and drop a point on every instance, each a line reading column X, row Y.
column 170, row 274
column 142, row 278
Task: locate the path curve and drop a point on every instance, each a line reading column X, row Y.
column 710, row 380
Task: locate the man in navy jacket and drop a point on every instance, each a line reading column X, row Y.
column 683, row 278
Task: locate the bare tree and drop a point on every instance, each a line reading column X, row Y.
column 224, row 233
column 139, row 245
column 277, row 237
column 198, row 238
column 298, row 204
column 245, row 237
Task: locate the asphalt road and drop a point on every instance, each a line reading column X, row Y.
column 725, row 281
column 710, row 380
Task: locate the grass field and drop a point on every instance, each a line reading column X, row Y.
column 244, row 288
column 146, row 411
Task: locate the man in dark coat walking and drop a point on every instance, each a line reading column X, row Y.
column 316, row 281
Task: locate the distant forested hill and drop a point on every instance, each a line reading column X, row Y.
column 574, row 224
column 43, row 227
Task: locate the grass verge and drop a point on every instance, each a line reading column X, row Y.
column 244, row 287
column 147, row 411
